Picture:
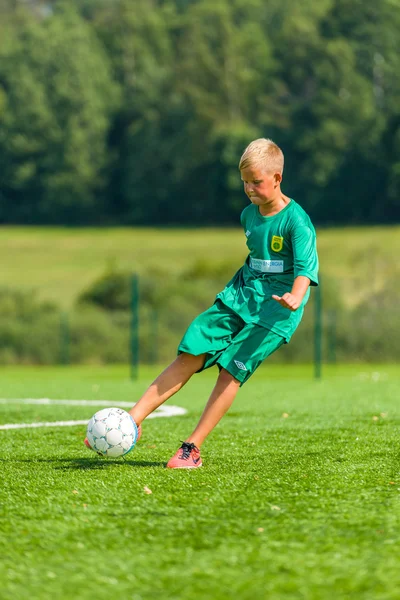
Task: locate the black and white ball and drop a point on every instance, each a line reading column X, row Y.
column 112, row 432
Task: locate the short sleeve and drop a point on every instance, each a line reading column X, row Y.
column 305, row 256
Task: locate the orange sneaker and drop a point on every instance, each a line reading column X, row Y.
column 86, row 441
column 187, row 457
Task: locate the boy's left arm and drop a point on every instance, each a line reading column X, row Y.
column 294, row 298
column 305, row 263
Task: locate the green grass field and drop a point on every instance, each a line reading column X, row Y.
column 60, row 263
column 299, row 496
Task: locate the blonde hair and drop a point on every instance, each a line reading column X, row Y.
column 264, row 154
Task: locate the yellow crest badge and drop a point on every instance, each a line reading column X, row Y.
column 277, row 243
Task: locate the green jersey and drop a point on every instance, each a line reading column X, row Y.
column 282, row 247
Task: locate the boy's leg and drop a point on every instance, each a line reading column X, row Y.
column 222, row 396
column 252, row 344
column 240, row 359
column 170, row 381
column 210, row 331
column 220, row 401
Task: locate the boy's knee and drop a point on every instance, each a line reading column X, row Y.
column 196, row 362
column 227, row 377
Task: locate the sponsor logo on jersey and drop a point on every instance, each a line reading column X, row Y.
column 266, row 266
column 240, row 365
column 277, row 243
column 248, row 233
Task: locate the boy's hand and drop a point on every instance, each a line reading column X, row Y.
column 288, row 300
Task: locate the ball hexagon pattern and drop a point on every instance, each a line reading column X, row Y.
column 112, row 432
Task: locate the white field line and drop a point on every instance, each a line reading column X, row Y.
column 163, row 411
column 45, row 424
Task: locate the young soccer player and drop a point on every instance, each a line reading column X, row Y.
column 259, row 309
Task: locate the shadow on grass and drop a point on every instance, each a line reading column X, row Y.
column 94, row 464
column 65, row 464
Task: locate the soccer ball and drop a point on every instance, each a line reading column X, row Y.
column 112, row 432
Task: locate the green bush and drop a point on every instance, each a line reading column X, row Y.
column 97, row 330
column 98, row 337
column 369, row 333
column 27, row 329
column 35, row 332
column 111, row 292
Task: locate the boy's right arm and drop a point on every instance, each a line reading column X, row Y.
column 293, row 299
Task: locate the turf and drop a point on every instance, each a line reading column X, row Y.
column 299, row 496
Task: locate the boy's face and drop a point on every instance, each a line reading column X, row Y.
column 261, row 187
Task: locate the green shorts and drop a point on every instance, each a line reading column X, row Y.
column 229, row 342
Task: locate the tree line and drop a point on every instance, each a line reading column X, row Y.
column 137, row 111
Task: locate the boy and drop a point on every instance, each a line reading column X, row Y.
column 259, row 309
